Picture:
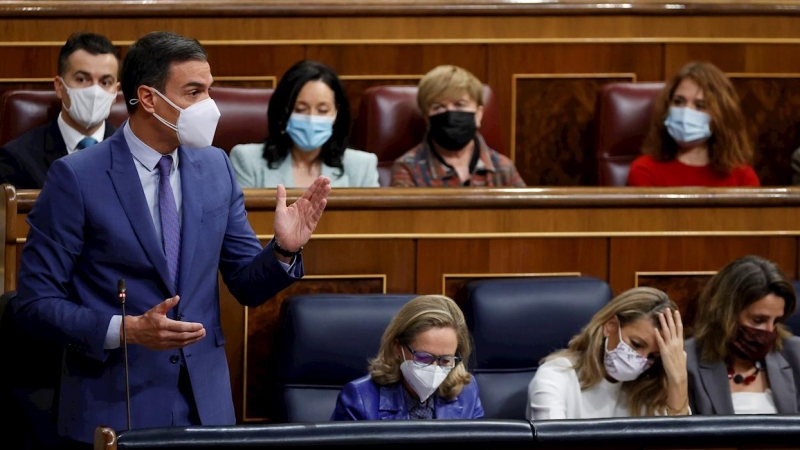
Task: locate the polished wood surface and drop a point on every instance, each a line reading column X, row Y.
column 146, row 8
column 436, row 240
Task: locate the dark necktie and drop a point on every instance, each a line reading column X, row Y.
column 86, row 142
column 170, row 225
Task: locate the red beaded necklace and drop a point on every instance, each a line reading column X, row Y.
column 741, row 379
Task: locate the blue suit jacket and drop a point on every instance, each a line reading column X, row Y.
column 362, row 399
column 91, row 227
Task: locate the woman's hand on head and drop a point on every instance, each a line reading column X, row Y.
column 670, row 345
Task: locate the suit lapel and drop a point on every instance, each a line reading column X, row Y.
column 715, row 380
column 129, row 190
column 191, row 170
column 54, row 146
column 391, row 404
column 781, row 381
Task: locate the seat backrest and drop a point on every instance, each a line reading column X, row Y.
column 515, row 323
column 23, row 110
column 389, row 124
column 243, row 117
column 622, row 120
column 325, row 341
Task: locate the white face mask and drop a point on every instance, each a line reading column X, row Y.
column 424, row 380
column 196, row 124
column 89, row 106
column 623, row 363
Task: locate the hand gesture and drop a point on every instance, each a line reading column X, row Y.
column 155, row 331
column 294, row 224
column 670, row 344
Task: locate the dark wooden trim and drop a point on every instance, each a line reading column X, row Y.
column 587, row 197
column 288, row 8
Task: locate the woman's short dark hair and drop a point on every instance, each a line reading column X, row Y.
column 150, row 58
column 281, row 105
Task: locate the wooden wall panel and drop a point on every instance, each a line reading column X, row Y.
column 663, row 257
column 249, row 60
column 683, row 288
column 553, row 137
column 455, row 258
column 772, row 108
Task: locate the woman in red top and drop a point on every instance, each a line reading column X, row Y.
column 698, row 135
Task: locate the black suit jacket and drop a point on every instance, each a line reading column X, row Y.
column 25, row 160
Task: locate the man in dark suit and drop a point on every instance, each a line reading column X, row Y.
column 86, row 84
column 157, row 206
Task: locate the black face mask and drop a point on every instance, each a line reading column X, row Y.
column 452, row 130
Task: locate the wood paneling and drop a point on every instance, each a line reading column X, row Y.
column 772, row 107
column 629, row 256
column 435, row 258
column 553, row 140
column 683, row 288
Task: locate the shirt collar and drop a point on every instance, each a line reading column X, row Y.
column 440, row 169
column 72, row 136
column 145, row 155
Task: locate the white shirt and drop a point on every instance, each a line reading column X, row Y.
column 555, row 393
column 72, row 136
column 754, row 402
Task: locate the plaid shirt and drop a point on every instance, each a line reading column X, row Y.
column 422, row 166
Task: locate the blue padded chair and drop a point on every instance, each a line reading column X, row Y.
column 515, row 323
column 325, row 342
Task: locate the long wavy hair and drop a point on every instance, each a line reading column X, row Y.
column 737, row 286
column 281, row 104
column 647, row 393
column 729, row 146
column 418, row 316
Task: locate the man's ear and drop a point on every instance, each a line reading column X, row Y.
column 146, row 99
column 58, row 85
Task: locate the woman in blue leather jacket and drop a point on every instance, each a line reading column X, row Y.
column 420, row 370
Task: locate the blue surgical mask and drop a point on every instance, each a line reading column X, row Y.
column 687, row 126
column 310, row 132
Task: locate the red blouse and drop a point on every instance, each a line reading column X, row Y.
column 645, row 171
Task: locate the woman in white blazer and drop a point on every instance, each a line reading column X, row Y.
column 309, row 123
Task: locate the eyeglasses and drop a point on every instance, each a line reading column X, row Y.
column 426, row 359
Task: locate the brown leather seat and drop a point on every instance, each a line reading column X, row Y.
column 23, row 110
column 389, row 124
column 623, row 114
column 243, row 120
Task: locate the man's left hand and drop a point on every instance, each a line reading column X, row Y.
column 295, row 224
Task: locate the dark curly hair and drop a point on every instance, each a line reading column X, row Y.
column 281, row 105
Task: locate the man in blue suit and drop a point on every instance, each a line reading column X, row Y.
column 157, row 206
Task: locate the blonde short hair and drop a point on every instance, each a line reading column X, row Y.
column 449, row 81
column 415, row 317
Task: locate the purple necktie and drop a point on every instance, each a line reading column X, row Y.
column 170, row 225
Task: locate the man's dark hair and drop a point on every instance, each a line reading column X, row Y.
column 92, row 43
column 149, row 60
column 281, row 106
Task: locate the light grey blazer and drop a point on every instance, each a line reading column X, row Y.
column 250, row 167
column 710, row 393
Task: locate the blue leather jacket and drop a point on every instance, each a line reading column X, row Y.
column 362, row 399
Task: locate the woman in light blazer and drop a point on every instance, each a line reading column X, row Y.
column 742, row 359
column 309, row 122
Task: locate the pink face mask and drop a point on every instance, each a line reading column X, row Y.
column 623, row 363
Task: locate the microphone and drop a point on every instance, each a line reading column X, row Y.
column 122, row 293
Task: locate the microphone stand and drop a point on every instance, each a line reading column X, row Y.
column 122, row 294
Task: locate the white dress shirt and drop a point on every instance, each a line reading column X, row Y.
column 72, row 136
